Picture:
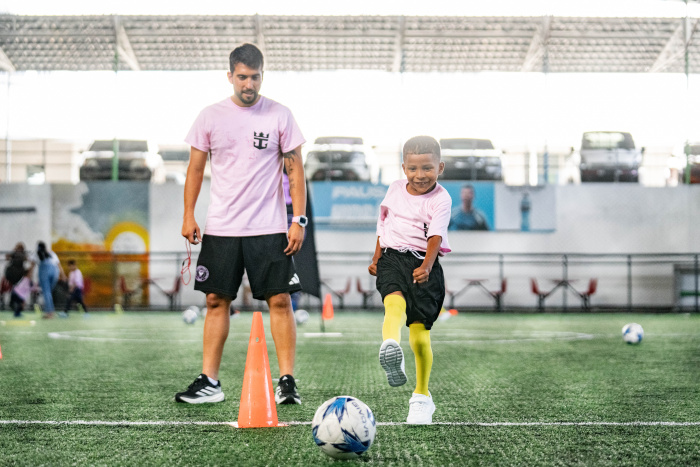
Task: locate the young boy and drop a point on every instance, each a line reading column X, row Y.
column 412, row 232
column 21, row 293
column 76, row 284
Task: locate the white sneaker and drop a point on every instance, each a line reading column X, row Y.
column 391, row 359
column 420, row 410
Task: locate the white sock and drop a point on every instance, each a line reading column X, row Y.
column 214, row 382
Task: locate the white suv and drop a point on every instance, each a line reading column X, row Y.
column 138, row 160
column 341, row 158
column 607, row 156
column 471, row 159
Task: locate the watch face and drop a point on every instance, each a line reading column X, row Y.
column 303, row 220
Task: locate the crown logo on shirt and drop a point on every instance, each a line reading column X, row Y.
column 260, row 140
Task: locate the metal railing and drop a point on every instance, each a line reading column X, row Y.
column 626, row 281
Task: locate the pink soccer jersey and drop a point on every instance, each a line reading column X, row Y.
column 246, row 146
column 407, row 221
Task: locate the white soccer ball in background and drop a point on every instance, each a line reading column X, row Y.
column 301, row 316
column 195, row 308
column 632, row 333
column 344, row 427
column 189, row 316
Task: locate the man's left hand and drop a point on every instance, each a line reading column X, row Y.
column 296, row 238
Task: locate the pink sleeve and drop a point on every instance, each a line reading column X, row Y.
column 290, row 133
column 441, row 212
column 198, row 137
column 380, row 222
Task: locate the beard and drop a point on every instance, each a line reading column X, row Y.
column 248, row 98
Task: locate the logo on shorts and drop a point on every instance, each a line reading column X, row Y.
column 202, row 274
column 294, row 280
column 260, row 140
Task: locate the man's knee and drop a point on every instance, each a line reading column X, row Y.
column 216, row 301
column 280, row 303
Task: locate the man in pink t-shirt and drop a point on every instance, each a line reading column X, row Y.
column 249, row 139
column 411, row 234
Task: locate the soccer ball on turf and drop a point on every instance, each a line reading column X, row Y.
column 632, row 333
column 344, row 427
column 301, row 316
column 189, row 316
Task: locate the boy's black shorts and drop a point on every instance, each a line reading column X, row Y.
column 423, row 301
column 222, row 261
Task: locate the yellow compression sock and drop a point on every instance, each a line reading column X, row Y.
column 394, row 317
column 419, row 338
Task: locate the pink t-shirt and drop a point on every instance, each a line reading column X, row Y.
column 407, row 221
column 246, row 146
column 75, row 279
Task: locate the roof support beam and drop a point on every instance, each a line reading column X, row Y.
column 538, row 45
column 5, row 62
column 124, row 49
column 397, row 65
column 675, row 46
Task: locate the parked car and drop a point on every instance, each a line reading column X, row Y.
column 341, row 158
column 606, row 156
column 138, row 160
column 471, row 159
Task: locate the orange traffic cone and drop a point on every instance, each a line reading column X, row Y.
column 258, row 407
column 327, row 307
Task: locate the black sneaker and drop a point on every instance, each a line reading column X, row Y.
column 286, row 392
column 201, row 391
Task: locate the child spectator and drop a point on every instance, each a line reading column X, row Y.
column 76, row 285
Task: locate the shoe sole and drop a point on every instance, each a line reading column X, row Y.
column 201, row 400
column 288, row 400
column 390, row 358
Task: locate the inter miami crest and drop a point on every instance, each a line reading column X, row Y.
column 260, row 140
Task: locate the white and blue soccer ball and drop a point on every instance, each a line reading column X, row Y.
column 632, row 333
column 189, row 316
column 301, row 316
column 344, row 427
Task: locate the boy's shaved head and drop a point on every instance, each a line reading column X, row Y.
column 422, row 145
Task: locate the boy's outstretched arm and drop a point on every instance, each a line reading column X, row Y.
column 377, row 254
column 420, row 274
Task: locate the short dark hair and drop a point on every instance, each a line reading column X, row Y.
column 71, row 262
column 422, row 145
column 247, row 54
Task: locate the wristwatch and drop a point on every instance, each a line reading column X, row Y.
column 301, row 220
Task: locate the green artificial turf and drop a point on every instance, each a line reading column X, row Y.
column 509, row 389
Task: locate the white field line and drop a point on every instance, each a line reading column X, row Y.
column 135, row 335
column 481, row 424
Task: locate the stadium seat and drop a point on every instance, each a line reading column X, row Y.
column 541, row 295
column 367, row 294
column 172, row 294
column 586, row 295
column 339, row 293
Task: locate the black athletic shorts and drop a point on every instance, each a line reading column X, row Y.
column 222, row 261
column 423, row 301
